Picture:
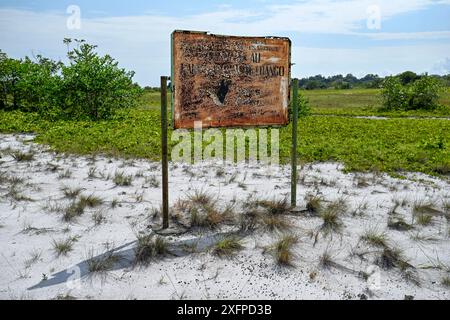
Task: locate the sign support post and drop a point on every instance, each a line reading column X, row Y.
column 164, row 158
column 294, row 143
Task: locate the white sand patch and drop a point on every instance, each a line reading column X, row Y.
column 29, row 267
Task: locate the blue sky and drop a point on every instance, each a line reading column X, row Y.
column 329, row 36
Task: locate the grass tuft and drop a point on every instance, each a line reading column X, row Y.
column 152, row 181
column 326, row 260
column 66, row 174
column 282, row 250
column 20, row 156
column 71, row 193
column 398, row 224
column 446, row 281
column 313, row 204
column 90, row 201
column 150, row 247
column 74, row 210
column 121, row 179
column 275, row 207
column 227, row 246
column 63, row 247
column 103, row 263
column 424, row 219
column 375, row 238
column 98, row 217
column 331, row 220
column 392, row 257
column 274, row 222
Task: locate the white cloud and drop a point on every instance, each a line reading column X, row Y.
column 383, row 60
column 427, row 35
column 441, row 67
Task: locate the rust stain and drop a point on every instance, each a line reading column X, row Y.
column 227, row 81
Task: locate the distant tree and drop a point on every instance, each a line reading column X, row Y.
column 350, row 78
column 10, row 74
column 3, row 89
column 408, row 77
column 394, row 94
column 94, row 86
column 342, row 85
column 423, row 93
column 313, row 84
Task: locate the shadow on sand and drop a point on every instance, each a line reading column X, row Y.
column 126, row 253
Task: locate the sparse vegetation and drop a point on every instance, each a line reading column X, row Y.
column 392, row 257
column 66, row 174
column 90, row 201
column 220, row 172
column 424, row 219
column 15, row 194
column 282, row 250
column 423, row 212
column 20, row 156
column 71, row 193
column 446, row 281
column 92, row 172
column 331, row 220
column 74, row 210
column 375, row 238
column 152, row 181
column 227, row 246
column 63, row 247
column 149, row 247
column 313, row 204
column 326, row 261
column 121, row 179
column 98, row 217
column 102, row 263
column 274, row 222
column 35, row 256
column 114, row 203
column 399, row 224
column 275, row 207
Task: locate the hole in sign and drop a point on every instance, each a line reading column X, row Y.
column 223, row 89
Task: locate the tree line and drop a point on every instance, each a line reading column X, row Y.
column 370, row 81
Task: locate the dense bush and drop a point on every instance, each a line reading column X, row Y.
column 420, row 94
column 90, row 86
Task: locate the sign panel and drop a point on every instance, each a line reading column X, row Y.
column 227, row 81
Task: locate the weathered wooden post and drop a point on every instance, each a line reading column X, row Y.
column 294, row 143
column 164, row 158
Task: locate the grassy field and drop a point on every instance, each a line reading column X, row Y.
column 364, row 102
column 392, row 145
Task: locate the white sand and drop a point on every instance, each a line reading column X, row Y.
column 27, row 228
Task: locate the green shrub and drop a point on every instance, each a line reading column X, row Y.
column 424, row 94
column 94, row 86
column 303, row 107
column 90, row 86
column 394, row 94
column 420, row 94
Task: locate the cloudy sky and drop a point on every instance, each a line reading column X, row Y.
column 329, row 36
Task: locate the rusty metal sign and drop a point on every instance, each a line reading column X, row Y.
column 228, row 81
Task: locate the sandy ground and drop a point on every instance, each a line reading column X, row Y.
column 31, row 221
